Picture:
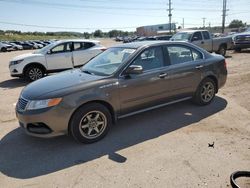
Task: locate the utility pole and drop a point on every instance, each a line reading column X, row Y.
column 170, row 14
column 224, row 10
column 183, row 25
column 204, row 21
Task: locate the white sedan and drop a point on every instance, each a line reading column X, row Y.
column 58, row 56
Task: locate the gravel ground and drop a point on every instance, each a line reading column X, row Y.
column 167, row 147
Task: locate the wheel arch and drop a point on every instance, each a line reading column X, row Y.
column 215, row 79
column 34, row 64
column 102, row 102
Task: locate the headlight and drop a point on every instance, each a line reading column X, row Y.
column 39, row 104
column 16, row 62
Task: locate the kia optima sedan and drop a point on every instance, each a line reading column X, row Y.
column 123, row 80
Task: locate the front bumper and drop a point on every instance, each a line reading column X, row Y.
column 241, row 45
column 15, row 71
column 44, row 123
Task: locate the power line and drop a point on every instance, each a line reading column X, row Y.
column 59, row 27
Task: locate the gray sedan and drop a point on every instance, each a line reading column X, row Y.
column 124, row 80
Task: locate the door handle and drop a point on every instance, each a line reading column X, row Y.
column 202, row 42
column 162, row 75
column 199, row 66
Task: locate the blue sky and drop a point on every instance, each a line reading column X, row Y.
column 89, row 15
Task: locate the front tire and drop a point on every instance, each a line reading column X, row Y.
column 205, row 93
column 34, row 73
column 90, row 123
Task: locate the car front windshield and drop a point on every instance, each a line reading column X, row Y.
column 108, row 62
column 44, row 49
column 184, row 36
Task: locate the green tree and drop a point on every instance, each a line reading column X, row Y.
column 236, row 24
column 98, row 33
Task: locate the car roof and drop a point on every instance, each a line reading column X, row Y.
column 190, row 31
column 78, row 40
column 140, row 44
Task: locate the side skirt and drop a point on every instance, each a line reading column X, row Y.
column 154, row 107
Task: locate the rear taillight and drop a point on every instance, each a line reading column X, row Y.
column 225, row 64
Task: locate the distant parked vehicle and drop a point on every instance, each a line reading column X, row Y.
column 26, row 46
column 35, row 45
column 163, row 37
column 241, row 41
column 203, row 39
column 5, row 47
column 55, row 57
column 16, row 46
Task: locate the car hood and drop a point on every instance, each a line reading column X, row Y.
column 59, row 85
column 25, row 56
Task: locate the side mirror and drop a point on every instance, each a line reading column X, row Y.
column 134, row 69
column 49, row 52
column 195, row 38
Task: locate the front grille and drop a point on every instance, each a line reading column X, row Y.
column 22, row 103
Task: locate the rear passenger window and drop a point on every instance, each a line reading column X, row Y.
column 182, row 54
column 83, row 45
column 151, row 58
column 88, row 45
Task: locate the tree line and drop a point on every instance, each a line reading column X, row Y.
column 98, row 33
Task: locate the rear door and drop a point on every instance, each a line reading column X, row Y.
column 148, row 89
column 186, row 66
column 207, row 45
column 83, row 52
column 60, row 57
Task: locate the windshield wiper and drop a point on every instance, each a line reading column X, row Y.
column 87, row 72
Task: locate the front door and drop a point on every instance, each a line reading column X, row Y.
column 59, row 57
column 147, row 89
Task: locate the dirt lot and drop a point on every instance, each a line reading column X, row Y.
column 167, row 147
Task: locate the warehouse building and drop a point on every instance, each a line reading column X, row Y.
column 151, row 30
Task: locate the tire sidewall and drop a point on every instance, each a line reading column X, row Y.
column 28, row 70
column 198, row 98
column 77, row 117
column 224, row 50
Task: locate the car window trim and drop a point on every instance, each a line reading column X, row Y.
column 139, row 53
column 64, row 51
column 186, row 46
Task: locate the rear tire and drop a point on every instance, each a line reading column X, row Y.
column 33, row 73
column 205, row 92
column 3, row 50
column 90, row 123
column 222, row 50
column 237, row 49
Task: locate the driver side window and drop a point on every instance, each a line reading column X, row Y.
column 149, row 59
column 197, row 36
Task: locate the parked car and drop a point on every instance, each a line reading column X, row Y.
column 5, row 47
column 203, row 39
column 55, row 57
column 16, row 46
column 122, row 81
column 26, row 46
column 241, row 40
column 35, row 45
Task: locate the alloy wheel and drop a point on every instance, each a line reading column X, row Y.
column 207, row 92
column 92, row 124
